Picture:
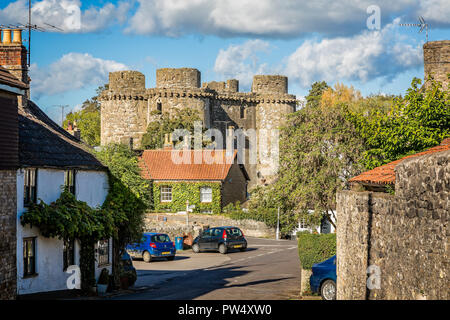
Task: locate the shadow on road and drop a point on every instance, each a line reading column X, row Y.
column 191, row 284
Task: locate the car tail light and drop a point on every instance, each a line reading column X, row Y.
column 153, row 245
column 173, row 244
column 224, row 235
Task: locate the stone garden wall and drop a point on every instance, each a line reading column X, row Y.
column 175, row 225
column 404, row 237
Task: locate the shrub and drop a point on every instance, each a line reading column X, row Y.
column 104, row 277
column 314, row 248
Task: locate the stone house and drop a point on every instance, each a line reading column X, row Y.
column 207, row 179
column 394, row 245
column 10, row 91
column 37, row 159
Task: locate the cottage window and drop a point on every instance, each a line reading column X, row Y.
column 103, row 252
column 29, row 257
column 303, row 224
column 69, row 181
column 159, row 107
column 29, row 192
column 166, row 193
column 68, row 253
column 205, row 194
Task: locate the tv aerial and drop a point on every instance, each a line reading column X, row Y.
column 30, row 27
column 422, row 25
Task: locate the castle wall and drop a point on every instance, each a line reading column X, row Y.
column 436, row 56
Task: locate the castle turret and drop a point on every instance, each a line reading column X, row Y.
column 436, row 60
column 124, row 109
column 270, row 84
column 178, row 78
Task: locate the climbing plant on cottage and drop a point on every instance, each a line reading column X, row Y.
column 68, row 218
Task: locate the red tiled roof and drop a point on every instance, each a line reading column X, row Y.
column 158, row 165
column 385, row 174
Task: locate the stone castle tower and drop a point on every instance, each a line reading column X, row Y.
column 436, row 60
column 127, row 106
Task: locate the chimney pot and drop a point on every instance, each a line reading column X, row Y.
column 6, row 36
column 17, row 36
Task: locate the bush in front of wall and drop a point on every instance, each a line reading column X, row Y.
column 314, row 248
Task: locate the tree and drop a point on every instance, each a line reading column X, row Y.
column 320, row 150
column 166, row 123
column 416, row 122
column 128, row 198
column 88, row 119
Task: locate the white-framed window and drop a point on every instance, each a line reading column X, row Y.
column 205, row 194
column 166, row 193
column 303, row 224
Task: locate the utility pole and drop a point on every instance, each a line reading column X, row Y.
column 278, row 225
column 62, row 112
column 187, row 213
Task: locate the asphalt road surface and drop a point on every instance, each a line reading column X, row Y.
column 268, row 269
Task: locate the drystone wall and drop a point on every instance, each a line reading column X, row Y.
column 175, row 225
column 8, row 212
column 403, row 238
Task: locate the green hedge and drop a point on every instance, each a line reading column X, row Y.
column 314, row 248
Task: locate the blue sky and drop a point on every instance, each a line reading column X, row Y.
column 305, row 40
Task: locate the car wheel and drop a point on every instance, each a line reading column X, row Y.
column 195, row 248
column 223, row 249
column 147, row 256
column 171, row 258
column 328, row 290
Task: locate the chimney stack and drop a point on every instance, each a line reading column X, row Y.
column 13, row 55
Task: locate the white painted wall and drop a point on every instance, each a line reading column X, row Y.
column 91, row 187
column 317, row 229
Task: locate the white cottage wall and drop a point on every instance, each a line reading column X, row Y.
column 91, row 187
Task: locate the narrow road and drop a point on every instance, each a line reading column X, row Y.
column 269, row 269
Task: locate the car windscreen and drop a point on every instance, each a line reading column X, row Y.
column 160, row 238
column 234, row 232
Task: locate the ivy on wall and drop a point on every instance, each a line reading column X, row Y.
column 183, row 191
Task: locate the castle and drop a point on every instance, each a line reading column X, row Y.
column 127, row 106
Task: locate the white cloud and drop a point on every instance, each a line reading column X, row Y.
column 241, row 61
column 273, row 18
column 363, row 57
column 65, row 14
column 72, row 72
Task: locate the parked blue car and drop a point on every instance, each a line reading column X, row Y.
column 323, row 278
column 152, row 245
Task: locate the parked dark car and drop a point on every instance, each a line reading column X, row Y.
column 220, row 238
column 323, row 278
column 153, row 245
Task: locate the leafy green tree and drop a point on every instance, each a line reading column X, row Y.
column 88, row 119
column 128, row 198
column 165, row 123
column 320, row 150
column 416, row 122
